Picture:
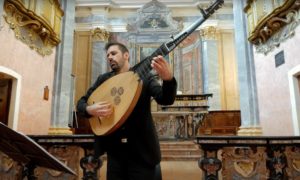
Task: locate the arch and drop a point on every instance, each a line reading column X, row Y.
column 293, row 76
column 13, row 115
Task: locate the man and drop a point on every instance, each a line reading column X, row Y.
column 133, row 150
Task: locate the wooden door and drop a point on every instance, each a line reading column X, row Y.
column 81, row 70
column 5, row 95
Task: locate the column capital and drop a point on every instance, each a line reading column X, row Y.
column 99, row 34
column 209, row 33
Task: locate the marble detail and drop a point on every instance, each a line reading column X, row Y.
column 190, row 60
column 244, row 162
column 99, row 62
column 210, row 74
column 259, row 157
column 178, row 125
column 250, row 131
column 185, row 150
column 63, row 105
column 246, row 69
column 152, row 17
column 90, row 19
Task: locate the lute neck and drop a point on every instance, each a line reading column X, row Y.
column 144, row 67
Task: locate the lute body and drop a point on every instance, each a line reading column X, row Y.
column 123, row 90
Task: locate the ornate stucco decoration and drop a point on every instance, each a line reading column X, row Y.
column 282, row 35
column 36, row 23
column 268, row 30
column 154, row 17
column 100, row 34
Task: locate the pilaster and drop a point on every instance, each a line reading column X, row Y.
column 246, row 73
column 99, row 62
column 210, row 67
column 63, row 105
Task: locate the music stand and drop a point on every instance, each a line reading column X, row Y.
column 24, row 150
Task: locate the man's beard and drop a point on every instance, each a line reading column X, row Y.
column 115, row 67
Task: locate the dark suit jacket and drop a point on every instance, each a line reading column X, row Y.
column 139, row 128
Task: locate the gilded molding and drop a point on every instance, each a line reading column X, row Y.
column 33, row 26
column 100, row 34
column 273, row 22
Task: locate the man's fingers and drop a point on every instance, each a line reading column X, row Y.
column 103, row 103
column 162, row 68
column 104, row 113
column 156, row 65
column 105, row 106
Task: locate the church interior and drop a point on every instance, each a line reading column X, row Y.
column 237, row 110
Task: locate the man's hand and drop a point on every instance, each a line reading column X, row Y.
column 162, row 67
column 100, row 109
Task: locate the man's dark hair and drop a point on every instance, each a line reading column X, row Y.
column 121, row 46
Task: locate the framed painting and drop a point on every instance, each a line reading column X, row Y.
column 145, row 50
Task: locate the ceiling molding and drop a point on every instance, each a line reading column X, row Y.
column 139, row 3
column 102, row 14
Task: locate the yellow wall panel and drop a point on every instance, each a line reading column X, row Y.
column 228, row 72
